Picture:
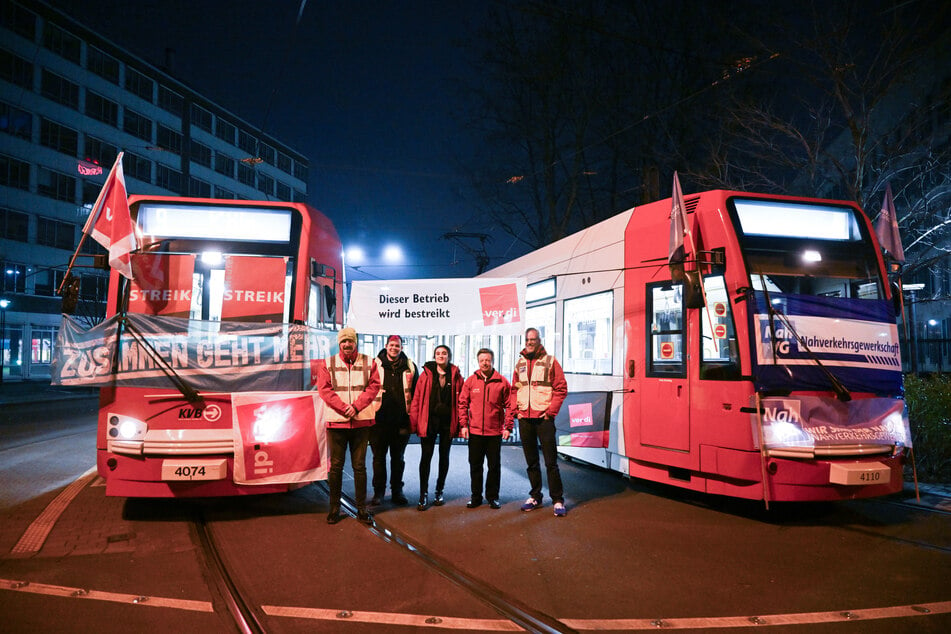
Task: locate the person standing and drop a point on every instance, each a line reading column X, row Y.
column 391, row 431
column 433, row 413
column 538, row 390
column 349, row 384
column 486, row 421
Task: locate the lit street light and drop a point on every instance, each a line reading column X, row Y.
column 4, row 303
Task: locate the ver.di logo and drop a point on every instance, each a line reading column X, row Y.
column 499, row 304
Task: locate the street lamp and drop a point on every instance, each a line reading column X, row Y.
column 4, row 303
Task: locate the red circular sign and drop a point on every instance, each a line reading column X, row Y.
column 666, row 350
column 719, row 331
column 719, row 309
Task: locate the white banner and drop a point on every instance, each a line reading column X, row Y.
column 483, row 306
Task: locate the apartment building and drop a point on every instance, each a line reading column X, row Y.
column 70, row 101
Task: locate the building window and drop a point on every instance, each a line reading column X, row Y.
column 224, row 130
column 267, row 153
column 137, row 125
column 59, row 138
column 221, row 192
column 55, row 185
column 14, row 277
column 284, row 162
column 224, row 164
column 169, row 139
column 18, row 20
column 299, row 196
column 198, row 188
column 200, row 153
column 283, row 191
column 102, row 64
column 16, row 122
column 300, row 171
column 60, row 89
column 101, row 153
column 64, row 44
column 266, row 184
column 588, row 332
column 169, row 178
column 16, row 70
column 45, row 282
column 102, row 109
column 137, row 167
column 14, row 225
column 246, row 174
column 138, row 84
column 201, row 118
column 94, row 287
column 54, row 233
column 247, row 143
column 14, row 173
column 170, row 101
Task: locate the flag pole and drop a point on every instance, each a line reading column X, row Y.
column 96, row 207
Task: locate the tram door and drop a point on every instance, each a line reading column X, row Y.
column 665, row 391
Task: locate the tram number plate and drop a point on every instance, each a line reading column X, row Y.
column 194, row 469
column 859, row 474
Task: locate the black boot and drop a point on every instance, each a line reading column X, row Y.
column 423, row 501
column 398, row 497
column 438, row 500
column 334, row 515
column 377, row 498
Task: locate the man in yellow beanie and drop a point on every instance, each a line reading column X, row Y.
column 349, row 384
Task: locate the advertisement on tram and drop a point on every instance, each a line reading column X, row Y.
column 761, row 363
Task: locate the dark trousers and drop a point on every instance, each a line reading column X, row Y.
column 485, row 449
column 535, row 431
column 387, row 438
column 340, row 441
column 427, row 446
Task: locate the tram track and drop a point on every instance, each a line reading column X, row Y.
column 520, row 614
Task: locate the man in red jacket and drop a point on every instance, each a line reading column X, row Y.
column 485, row 421
column 538, row 390
column 349, row 385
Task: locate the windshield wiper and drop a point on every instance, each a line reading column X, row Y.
column 841, row 392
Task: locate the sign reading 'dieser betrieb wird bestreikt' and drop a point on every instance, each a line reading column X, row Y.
column 480, row 306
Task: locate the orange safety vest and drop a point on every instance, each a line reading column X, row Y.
column 535, row 390
column 349, row 382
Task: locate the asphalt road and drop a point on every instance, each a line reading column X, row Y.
column 629, row 556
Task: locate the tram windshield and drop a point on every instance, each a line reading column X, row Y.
column 223, row 262
column 807, row 249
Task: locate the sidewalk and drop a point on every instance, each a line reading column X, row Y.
column 15, row 392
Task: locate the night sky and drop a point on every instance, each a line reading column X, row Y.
column 371, row 92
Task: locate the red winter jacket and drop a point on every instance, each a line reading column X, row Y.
column 419, row 408
column 482, row 405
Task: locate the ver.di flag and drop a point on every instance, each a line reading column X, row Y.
column 110, row 222
column 886, row 227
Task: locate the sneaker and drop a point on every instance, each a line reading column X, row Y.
column 531, row 504
column 560, row 510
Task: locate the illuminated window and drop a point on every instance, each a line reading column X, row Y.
column 543, row 319
column 588, row 333
column 540, row 290
column 719, row 354
column 665, row 327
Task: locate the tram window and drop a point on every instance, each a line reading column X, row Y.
column 719, row 353
column 588, row 328
column 665, row 327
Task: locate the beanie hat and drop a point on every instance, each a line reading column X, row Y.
column 345, row 334
column 395, row 338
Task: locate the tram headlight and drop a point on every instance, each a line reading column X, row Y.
column 126, row 428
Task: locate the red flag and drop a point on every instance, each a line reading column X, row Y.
column 110, row 222
column 678, row 227
column 886, row 227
